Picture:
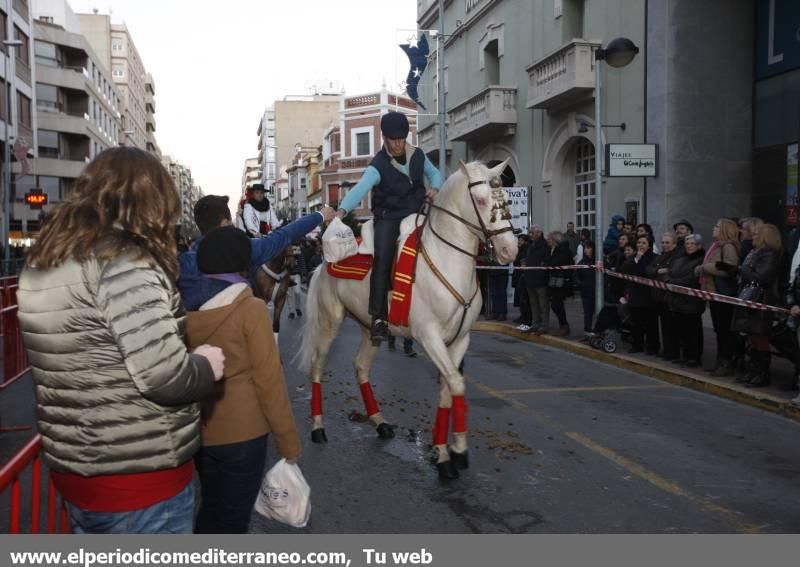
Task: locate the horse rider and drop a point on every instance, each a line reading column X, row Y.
column 211, row 212
column 396, row 177
column 258, row 217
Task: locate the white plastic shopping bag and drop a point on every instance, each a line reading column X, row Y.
column 285, row 495
column 338, row 242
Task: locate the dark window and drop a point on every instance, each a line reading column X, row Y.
column 48, row 144
column 3, row 36
column 47, row 97
column 362, row 144
column 24, row 110
column 5, row 95
column 51, row 186
column 22, row 50
column 47, row 54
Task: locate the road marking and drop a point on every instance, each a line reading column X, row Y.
column 585, row 389
column 730, row 517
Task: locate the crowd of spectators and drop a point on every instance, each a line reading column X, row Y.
column 745, row 258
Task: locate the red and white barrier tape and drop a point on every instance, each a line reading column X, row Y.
column 698, row 293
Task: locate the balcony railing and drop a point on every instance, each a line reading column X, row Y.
column 563, row 77
column 428, row 139
column 354, row 163
column 492, row 112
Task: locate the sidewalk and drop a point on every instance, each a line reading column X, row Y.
column 771, row 398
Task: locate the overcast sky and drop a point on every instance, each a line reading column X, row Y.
column 218, row 65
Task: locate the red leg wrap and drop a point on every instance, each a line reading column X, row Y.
column 316, row 399
column 459, row 414
column 441, row 429
column 369, row 399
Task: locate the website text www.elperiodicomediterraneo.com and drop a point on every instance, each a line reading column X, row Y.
column 214, row 558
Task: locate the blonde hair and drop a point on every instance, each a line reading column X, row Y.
column 729, row 232
column 770, row 237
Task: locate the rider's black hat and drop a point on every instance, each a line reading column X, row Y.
column 258, row 187
column 394, row 125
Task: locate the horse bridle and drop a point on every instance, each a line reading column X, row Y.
column 497, row 198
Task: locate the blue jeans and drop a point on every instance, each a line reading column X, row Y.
column 230, row 478
column 171, row 516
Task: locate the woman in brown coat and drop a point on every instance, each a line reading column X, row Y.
column 251, row 401
column 718, row 275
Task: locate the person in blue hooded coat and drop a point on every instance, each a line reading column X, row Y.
column 615, row 229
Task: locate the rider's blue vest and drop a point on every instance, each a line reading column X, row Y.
column 398, row 195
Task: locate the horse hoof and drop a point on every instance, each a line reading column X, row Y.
column 385, row 431
column 460, row 460
column 318, row 436
column 447, row 470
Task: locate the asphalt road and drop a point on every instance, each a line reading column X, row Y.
column 558, row 444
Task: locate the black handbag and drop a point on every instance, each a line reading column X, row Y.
column 752, row 292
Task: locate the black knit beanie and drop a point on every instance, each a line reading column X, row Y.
column 224, row 250
column 394, row 125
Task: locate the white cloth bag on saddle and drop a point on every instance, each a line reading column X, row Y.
column 285, row 495
column 338, row 242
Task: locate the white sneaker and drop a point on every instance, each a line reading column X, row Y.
column 524, row 328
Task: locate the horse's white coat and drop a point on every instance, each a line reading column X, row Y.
column 435, row 315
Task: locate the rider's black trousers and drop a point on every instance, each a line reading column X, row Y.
column 387, row 232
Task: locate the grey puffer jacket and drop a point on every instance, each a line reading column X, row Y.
column 115, row 385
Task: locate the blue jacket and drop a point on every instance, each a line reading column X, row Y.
column 196, row 290
column 612, row 236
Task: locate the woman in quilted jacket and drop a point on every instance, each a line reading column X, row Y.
column 102, row 323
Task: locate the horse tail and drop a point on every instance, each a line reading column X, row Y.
column 312, row 325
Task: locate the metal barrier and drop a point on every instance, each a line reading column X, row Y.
column 15, row 359
column 57, row 520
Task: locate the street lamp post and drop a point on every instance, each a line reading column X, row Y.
column 10, row 44
column 618, row 53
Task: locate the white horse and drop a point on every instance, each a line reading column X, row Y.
column 470, row 208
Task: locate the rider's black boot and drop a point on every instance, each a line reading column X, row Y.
column 379, row 331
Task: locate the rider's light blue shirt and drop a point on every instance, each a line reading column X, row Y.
column 371, row 178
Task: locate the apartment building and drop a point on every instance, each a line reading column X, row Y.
column 301, row 120
column 115, row 46
column 519, row 82
column 188, row 192
column 251, row 174
column 303, row 182
column 77, row 106
column 267, row 150
column 19, row 121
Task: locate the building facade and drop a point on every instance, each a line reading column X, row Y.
column 77, row 103
column 251, row 174
column 267, row 154
column 303, row 182
column 349, row 146
column 18, row 130
column 114, row 44
column 519, row 81
column 301, row 121
column 188, row 192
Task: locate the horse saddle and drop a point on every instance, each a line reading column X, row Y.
column 407, row 226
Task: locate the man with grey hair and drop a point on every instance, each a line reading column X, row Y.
column 536, row 280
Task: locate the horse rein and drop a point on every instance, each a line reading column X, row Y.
column 487, row 234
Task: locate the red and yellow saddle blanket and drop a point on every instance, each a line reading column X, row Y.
column 358, row 266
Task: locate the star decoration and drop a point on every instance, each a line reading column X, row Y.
column 416, row 72
column 413, row 41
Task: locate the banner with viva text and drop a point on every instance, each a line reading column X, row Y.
column 517, row 198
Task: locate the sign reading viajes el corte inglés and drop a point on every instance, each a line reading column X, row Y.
column 631, row 160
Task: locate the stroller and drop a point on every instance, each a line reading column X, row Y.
column 613, row 324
